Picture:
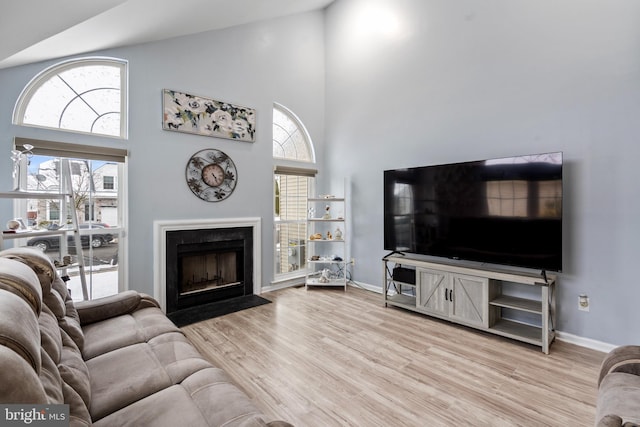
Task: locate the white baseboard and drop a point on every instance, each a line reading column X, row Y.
column 560, row 336
column 585, row 342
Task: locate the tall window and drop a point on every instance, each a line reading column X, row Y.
column 89, row 96
column 99, row 213
column 83, row 95
column 293, row 183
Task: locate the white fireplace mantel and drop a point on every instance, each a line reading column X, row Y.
column 160, row 229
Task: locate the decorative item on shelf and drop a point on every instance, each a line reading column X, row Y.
column 325, row 277
column 17, row 156
column 327, row 196
column 315, row 258
column 312, row 212
column 13, row 225
column 316, row 236
column 329, row 235
column 338, row 234
column 327, row 212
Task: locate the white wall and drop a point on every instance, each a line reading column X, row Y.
column 279, row 60
column 437, row 81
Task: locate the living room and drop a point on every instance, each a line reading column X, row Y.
column 432, row 82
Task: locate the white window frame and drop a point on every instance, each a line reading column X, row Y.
column 298, row 168
column 32, row 87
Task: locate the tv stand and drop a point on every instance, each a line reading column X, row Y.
column 490, row 300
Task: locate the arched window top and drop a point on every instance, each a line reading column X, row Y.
column 81, row 95
column 291, row 140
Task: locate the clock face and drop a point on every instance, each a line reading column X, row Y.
column 211, row 175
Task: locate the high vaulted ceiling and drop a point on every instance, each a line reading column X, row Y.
column 37, row 30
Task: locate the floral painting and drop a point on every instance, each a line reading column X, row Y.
column 204, row 116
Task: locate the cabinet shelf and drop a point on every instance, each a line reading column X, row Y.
column 516, row 330
column 528, row 305
column 326, row 219
column 325, row 261
column 32, row 195
column 402, row 300
column 34, row 233
column 326, row 199
column 314, row 281
column 399, row 283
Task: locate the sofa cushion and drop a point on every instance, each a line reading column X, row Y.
column 51, row 340
column 73, row 369
column 206, row 398
column 177, row 355
column 19, row 330
column 619, row 396
column 70, row 322
column 121, row 331
column 78, row 412
column 123, row 376
column 20, row 382
column 51, row 379
column 163, row 361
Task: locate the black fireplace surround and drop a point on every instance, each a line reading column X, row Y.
column 182, row 244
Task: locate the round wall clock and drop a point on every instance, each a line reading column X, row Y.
column 211, row 175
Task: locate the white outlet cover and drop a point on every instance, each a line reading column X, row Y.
column 581, row 307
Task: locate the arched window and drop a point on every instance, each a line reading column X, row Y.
column 81, row 95
column 290, row 138
column 292, row 186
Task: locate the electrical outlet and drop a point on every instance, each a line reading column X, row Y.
column 583, row 302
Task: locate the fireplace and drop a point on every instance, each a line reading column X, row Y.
column 208, row 265
column 202, row 262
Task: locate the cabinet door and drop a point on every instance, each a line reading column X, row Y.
column 470, row 301
column 432, row 286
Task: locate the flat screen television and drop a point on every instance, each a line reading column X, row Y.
column 505, row 211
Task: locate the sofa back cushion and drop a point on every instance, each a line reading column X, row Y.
column 20, row 350
column 37, row 261
column 17, row 278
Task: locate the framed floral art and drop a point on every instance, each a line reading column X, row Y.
column 187, row 113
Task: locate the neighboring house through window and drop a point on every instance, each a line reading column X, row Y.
column 293, row 182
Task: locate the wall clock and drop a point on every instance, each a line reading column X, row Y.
column 211, row 175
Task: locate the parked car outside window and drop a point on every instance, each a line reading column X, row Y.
column 96, row 239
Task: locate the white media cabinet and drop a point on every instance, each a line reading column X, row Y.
column 480, row 298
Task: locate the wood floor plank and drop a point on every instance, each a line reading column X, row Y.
column 325, row 357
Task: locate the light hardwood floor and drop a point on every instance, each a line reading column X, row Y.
column 325, row 357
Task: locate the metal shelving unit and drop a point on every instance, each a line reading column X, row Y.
column 68, row 203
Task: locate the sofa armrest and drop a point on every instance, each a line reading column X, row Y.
column 621, row 359
column 112, row 306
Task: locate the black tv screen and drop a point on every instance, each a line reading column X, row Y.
column 504, row 211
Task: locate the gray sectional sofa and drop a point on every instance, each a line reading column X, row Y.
column 116, row 361
column 619, row 388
